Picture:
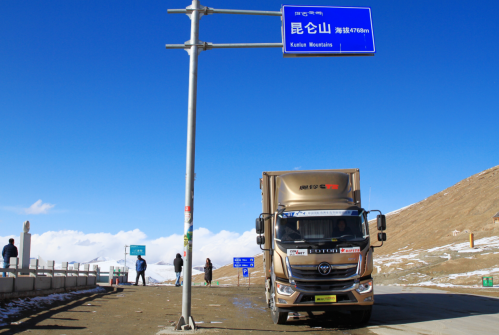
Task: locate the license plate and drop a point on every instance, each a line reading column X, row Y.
column 325, row 298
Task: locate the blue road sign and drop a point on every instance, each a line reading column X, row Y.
column 244, row 262
column 136, row 250
column 245, row 272
column 244, row 265
column 332, row 31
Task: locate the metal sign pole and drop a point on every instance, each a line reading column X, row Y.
column 194, row 47
column 186, row 318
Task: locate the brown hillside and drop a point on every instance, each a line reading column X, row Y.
column 467, row 206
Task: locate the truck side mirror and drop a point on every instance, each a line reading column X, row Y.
column 259, row 226
column 260, row 240
column 381, row 237
column 381, row 222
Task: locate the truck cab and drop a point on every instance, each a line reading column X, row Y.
column 317, row 250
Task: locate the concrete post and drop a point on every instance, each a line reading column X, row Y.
column 97, row 273
column 76, row 266
column 25, row 247
column 50, row 268
column 86, row 268
column 14, row 263
column 111, row 274
column 33, row 265
column 64, row 267
column 33, row 271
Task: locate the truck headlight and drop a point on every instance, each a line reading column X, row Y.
column 365, row 287
column 284, row 289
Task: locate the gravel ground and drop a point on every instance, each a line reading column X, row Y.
column 148, row 310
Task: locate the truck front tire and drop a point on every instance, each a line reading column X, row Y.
column 278, row 317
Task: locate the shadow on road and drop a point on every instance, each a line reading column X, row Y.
column 402, row 308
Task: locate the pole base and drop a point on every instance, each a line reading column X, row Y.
column 182, row 325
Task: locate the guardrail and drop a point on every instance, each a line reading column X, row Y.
column 119, row 272
column 69, row 276
column 35, row 278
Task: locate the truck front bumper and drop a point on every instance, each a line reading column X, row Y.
column 346, row 299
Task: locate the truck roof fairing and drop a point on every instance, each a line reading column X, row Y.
column 315, row 190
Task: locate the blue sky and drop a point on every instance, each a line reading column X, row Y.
column 93, row 111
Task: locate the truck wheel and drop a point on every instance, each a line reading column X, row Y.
column 278, row 317
column 362, row 317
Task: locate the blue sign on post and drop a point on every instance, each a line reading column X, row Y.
column 245, row 272
column 244, row 262
column 136, row 250
column 327, row 31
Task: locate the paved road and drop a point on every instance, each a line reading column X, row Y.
column 415, row 310
column 239, row 310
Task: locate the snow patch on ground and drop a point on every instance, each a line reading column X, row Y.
column 403, row 260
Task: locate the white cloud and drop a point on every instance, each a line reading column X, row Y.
column 297, row 168
column 72, row 245
column 39, row 208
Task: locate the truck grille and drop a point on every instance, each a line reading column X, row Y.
column 332, row 286
column 311, row 272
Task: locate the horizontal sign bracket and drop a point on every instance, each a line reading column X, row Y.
column 209, row 11
column 209, row 46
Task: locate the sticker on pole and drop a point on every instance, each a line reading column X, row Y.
column 327, row 31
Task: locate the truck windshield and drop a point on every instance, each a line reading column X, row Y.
column 323, row 228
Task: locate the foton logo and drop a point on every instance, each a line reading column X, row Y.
column 349, row 250
column 297, row 252
column 323, row 186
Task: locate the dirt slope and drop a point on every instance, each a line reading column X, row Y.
column 468, row 206
column 428, row 242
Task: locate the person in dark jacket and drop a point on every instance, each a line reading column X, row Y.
column 140, row 267
column 178, row 263
column 208, row 267
column 10, row 250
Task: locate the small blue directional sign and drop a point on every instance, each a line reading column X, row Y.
column 245, row 272
column 331, row 31
column 244, row 262
column 136, row 250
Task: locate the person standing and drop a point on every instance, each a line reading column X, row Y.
column 10, row 250
column 178, row 262
column 208, row 267
column 140, row 267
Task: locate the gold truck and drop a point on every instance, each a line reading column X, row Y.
column 314, row 233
